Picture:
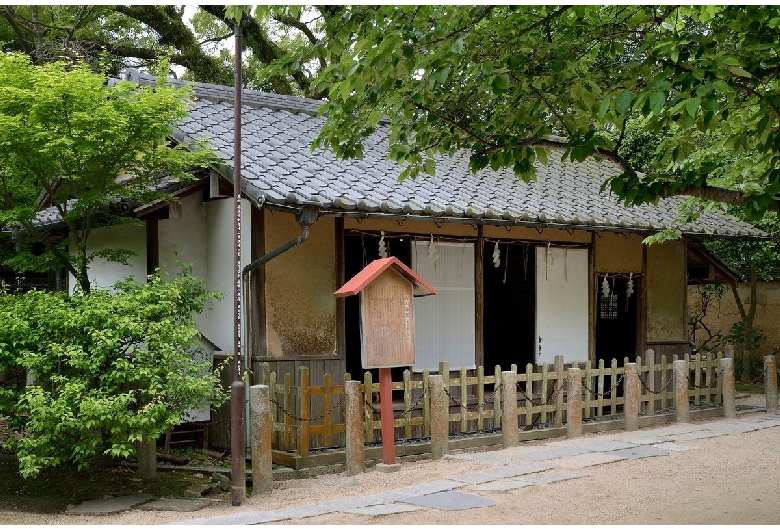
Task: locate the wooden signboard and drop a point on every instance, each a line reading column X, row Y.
column 386, row 288
column 387, row 315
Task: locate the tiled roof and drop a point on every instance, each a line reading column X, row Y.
column 279, row 166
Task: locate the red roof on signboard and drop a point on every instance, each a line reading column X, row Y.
column 359, row 282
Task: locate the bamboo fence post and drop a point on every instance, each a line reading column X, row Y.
column 426, row 377
column 529, row 394
column 407, row 403
column 543, row 412
column 480, row 398
column 303, row 441
column 497, row 397
column 368, row 396
column 650, row 382
column 559, row 382
column 463, row 401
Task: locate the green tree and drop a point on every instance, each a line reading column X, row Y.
column 504, row 81
column 84, row 146
column 111, row 369
column 282, row 44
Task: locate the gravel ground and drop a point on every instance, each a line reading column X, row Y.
column 730, row 479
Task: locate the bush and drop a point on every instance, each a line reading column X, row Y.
column 109, row 367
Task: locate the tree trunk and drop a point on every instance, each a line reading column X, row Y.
column 748, row 342
column 147, row 458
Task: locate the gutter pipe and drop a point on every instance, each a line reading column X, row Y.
column 305, row 217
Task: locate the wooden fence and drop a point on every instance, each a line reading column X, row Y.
column 309, row 417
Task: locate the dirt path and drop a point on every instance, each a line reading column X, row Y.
column 731, row 479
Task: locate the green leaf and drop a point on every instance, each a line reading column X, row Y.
column 692, row 106
column 623, row 102
column 736, row 70
column 657, row 102
column 501, row 83
column 604, row 108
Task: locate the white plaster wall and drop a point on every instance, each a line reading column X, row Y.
column 183, row 241
column 219, row 266
column 103, row 273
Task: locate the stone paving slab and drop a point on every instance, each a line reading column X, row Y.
column 350, row 503
column 417, row 490
column 644, row 451
column 701, row 435
column 486, row 458
column 549, row 477
column 258, row 517
column 109, row 504
column 671, row 446
column 489, row 475
column 383, row 509
column 647, row 441
column 591, row 444
column 586, row 460
column 558, row 452
column 177, row 505
column 451, row 501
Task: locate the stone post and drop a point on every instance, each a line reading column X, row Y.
column 681, row 405
column 650, row 382
column 728, row 351
column 261, row 429
column 631, row 396
column 510, row 433
column 770, row 383
column 729, row 395
column 440, row 412
column 574, row 403
column 356, row 435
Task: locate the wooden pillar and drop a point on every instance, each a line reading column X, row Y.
column 356, row 436
column 681, row 405
column 439, row 417
column 650, row 382
column 574, row 404
column 386, row 408
column 770, row 383
column 262, row 432
column 510, row 433
column 729, row 394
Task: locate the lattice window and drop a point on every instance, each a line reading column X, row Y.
column 608, row 307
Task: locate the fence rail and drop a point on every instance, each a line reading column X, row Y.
column 307, row 417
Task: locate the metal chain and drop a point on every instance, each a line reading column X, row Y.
column 471, row 408
column 400, row 415
column 315, row 418
column 551, row 398
column 608, row 392
column 668, row 382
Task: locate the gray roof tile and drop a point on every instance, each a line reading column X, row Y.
column 278, row 131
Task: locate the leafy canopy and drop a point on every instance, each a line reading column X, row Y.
column 86, row 146
column 502, row 80
column 110, row 368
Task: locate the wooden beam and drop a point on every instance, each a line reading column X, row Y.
column 341, row 340
column 479, row 298
column 256, row 295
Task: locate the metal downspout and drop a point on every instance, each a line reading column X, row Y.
column 305, row 217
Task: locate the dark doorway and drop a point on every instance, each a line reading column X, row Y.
column 359, row 251
column 508, row 327
column 616, row 312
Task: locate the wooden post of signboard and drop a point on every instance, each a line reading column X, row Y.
column 386, row 288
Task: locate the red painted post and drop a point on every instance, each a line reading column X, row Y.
column 386, row 407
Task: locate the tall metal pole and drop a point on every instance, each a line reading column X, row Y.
column 237, row 425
